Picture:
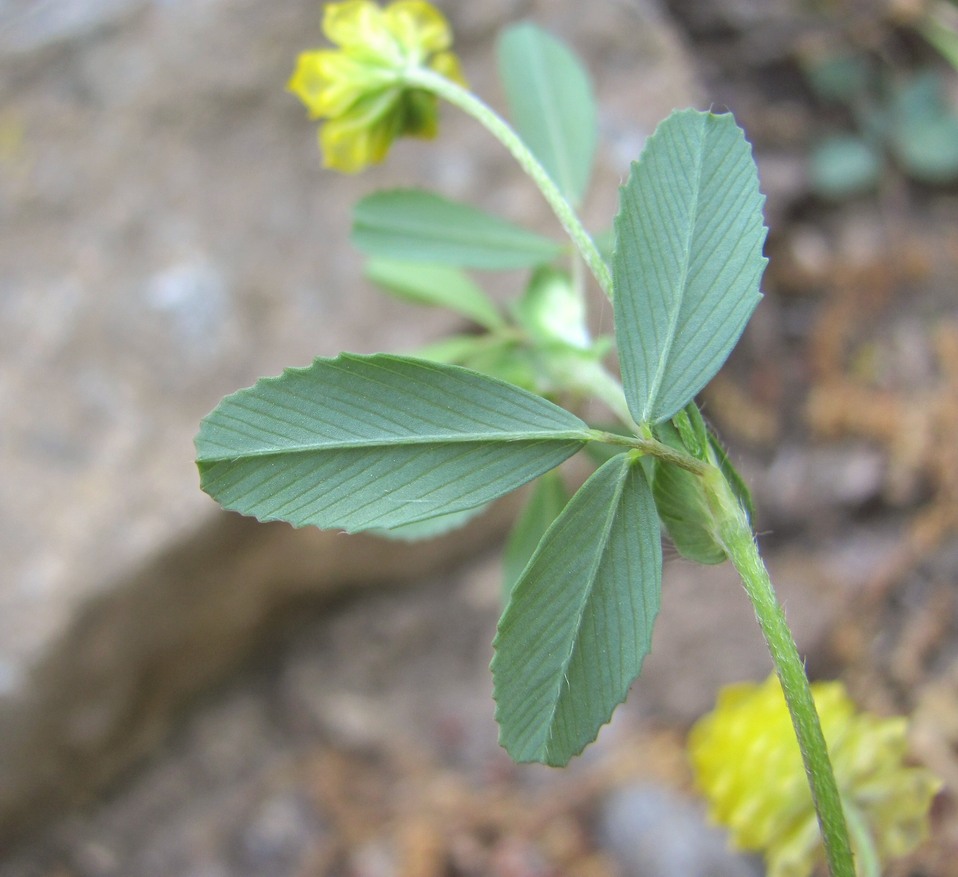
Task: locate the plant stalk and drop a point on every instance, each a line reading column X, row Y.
column 466, row 101
column 735, row 530
column 739, row 543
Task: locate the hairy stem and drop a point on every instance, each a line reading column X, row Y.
column 735, row 530
column 500, row 129
column 739, row 543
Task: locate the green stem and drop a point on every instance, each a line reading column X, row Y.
column 736, row 534
column 739, row 543
column 500, row 129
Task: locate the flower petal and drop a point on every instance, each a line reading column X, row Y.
column 322, row 82
column 360, row 27
column 747, row 764
column 447, row 64
column 418, row 27
column 359, row 87
column 362, row 136
column 350, row 23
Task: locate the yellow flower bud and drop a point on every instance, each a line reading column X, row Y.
column 360, row 88
column 748, row 765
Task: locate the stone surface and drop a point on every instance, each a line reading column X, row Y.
column 168, row 236
column 652, row 832
column 393, row 688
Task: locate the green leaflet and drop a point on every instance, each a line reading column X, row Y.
column 551, row 310
column 454, row 349
column 688, row 260
column 924, row 129
column 420, row 226
column 426, row 283
column 359, row 442
column 551, row 104
column 844, row 166
column 579, row 621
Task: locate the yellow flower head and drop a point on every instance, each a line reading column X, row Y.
column 361, row 87
column 748, row 765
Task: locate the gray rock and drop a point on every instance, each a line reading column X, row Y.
column 653, row 832
column 401, row 678
column 168, row 237
column 706, row 635
column 29, row 25
column 233, row 793
column 278, row 835
column 802, row 482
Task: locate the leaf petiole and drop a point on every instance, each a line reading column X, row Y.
column 652, row 447
column 466, row 101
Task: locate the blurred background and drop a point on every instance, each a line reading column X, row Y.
column 186, row 692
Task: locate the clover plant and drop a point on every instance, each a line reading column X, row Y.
column 414, row 445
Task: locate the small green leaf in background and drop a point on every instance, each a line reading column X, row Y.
column 840, row 78
column 688, row 260
column 843, row 166
column 934, row 26
column 579, row 621
column 551, row 310
column 548, row 498
column 551, row 105
column 924, row 134
column 509, row 361
column 426, row 283
column 360, row 442
column 453, row 349
column 420, row 226
column 500, row 356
